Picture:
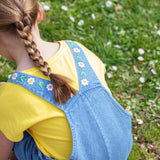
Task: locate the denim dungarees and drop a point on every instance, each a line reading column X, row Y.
column 101, row 128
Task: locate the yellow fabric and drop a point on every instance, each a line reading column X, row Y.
column 22, row 110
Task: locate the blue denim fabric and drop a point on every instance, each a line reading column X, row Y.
column 26, row 149
column 101, row 128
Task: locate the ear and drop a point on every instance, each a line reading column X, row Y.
column 40, row 14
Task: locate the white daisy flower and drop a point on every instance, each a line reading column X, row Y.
column 14, row 76
column 116, row 28
column 109, row 75
column 108, row 43
column 140, row 121
column 158, row 88
column 72, row 19
column 81, row 64
column 141, row 51
column 76, row 50
column 135, row 138
column 128, row 108
column 108, row 4
column 151, row 101
column 158, row 32
column 84, row 82
column 91, row 27
column 65, row 8
column 93, row 16
column 151, row 63
column 49, row 87
column 140, row 58
column 105, row 64
column 153, row 71
column 117, row 46
column 31, row 81
column 45, row 7
column 148, row 50
column 142, row 79
column 114, row 68
column 155, row 27
column 81, row 23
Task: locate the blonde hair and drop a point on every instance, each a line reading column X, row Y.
column 19, row 16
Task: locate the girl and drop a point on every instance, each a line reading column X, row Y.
column 57, row 104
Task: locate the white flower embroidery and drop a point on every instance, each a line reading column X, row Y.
column 76, row 50
column 14, row 76
column 84, row 82
column 50, row 87
column 9, row 76
column 81, row 64
column 31, row 81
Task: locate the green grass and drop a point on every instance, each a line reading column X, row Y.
column 133, row 26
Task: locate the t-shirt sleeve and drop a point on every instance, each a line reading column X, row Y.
column 97, row 65
column 19, row 110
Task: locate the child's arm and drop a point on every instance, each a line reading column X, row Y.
column 5, row 147
column 1, row 83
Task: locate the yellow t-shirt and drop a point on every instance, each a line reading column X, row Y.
column 22, row 110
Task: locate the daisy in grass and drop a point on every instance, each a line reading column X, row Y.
column 140, row 121
column 45, row 7
column 109, row 75
column 65, row 8
column 140, row 58
column 142, row 79
column 108, row 4
column 141, row 51
column 81, row 23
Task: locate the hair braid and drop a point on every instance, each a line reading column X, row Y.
column 62, row 90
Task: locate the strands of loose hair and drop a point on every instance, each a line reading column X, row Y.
column 62, row 90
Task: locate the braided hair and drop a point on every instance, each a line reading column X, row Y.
column 24, row 14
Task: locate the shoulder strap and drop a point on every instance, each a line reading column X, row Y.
column 86, row 75
column 41, row 87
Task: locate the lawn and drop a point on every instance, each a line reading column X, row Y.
column 125, row 34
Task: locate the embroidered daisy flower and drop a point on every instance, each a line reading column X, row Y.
column 84, row 82
column 142, row 79
column 81, row 64
column 49, row 87
column 9, row 76
column 72, row 19
column 140, row 121
column 141, row 51
column 31, row 81
column 140, row 58
column 108, row 4
column 76, row 50
column 14, row 76
column 65, row 8
column 81, row 23
column 109, row 75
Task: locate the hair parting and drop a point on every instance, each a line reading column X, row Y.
column 23, row 26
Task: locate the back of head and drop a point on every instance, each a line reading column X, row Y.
column 18, row 17
column 15, row 11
